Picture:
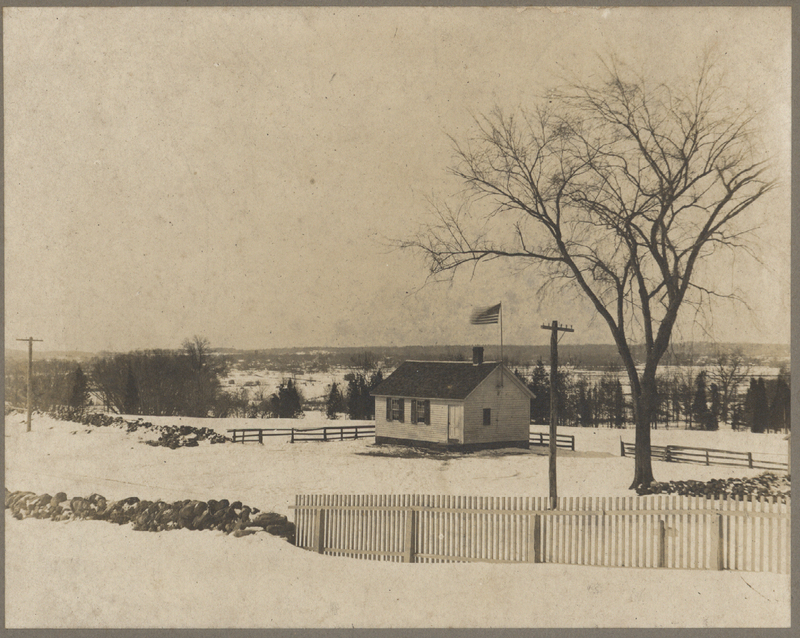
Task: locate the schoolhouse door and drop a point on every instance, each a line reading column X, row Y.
column 455, row 423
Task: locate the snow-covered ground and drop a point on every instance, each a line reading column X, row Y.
column 313, row 385
column 96, row 574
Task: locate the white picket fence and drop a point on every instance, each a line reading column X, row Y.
column 661, row 531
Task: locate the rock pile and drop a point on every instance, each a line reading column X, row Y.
column 171, row 436
column 152, row 516
column 175, row 436
column 97, row 419
column 766, row 485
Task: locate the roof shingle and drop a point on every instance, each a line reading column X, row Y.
column 435, row 379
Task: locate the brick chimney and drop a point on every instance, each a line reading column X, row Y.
column 477, row 356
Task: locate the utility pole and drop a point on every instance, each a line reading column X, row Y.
column 30, row 341
column 554, row 330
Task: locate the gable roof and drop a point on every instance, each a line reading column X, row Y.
column 435, row 379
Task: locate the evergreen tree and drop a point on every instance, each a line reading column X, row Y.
column 756, row 406
column 540, row 387
column 335, row 402
column 715, row 408
column 748, row 405
column 762, row 406
column 375, row 379
column 663, row 411
column 779, row 409
column 595, row 406
column 699, row 402
column 352, row 395
column 359, row 401
column 584, row 403
column 619, row 405
column 567, row 398
column 287, row 402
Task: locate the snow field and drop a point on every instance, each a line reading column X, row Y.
column 96, row 574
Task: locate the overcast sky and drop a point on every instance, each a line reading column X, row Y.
column 240, row 173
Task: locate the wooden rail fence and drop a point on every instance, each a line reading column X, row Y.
column 328, row 433
column 706, row 456
column 566, row 441
column 349, row 432
column 678, row 532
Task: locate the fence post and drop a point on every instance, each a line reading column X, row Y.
column 319, row 536
column 668, row 454
column 261, row 437
column 621, row 447
column 750, row 460
column 707, row 463
column 535, row 538
column 324, row 434
column 662, row 543
column 408, row 547
column 292, row 439
column 717, row 549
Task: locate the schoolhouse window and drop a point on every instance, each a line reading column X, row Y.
column 397, row 410
column 421, row 411
column 487, row 416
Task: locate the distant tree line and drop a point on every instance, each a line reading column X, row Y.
column 292, row 361
column 701, row 401
column 185, row 382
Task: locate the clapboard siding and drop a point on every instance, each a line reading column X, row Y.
column 510, row 406
column 436, row 432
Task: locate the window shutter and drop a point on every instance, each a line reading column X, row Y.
column 427, row 412
column 388, row 409
column 414, row 405
column 402, row 409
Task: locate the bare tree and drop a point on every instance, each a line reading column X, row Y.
column 203, row 383
column 616, row 189
column 198, row 350
column 729, row 370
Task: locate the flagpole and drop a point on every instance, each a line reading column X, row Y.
column 501, row 332
column 501, row 344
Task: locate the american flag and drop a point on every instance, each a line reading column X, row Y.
column 483, row 316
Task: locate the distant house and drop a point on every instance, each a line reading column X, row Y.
column 453, row 404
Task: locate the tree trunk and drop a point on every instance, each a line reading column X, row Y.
column 643, row 410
